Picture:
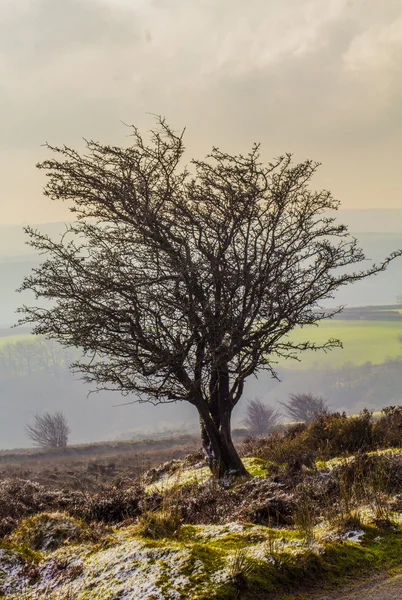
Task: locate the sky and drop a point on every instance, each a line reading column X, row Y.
column 321, row 79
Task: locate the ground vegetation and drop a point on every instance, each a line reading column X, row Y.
column 324, row 507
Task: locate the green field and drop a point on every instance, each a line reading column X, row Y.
column 363, row 341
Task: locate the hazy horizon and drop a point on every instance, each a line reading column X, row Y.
column 377, row 220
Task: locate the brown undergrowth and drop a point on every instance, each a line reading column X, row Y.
column 311, row 510
column 301, row 488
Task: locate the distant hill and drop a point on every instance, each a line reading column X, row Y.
column 378, row 230
column 13, row 239
column 380, row 221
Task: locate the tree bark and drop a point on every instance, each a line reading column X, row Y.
column 220, row 454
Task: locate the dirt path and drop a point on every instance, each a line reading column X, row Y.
column 379, row 588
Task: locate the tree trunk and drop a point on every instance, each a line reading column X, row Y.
column 220, row 453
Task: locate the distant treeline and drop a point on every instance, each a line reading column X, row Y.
column 38, row 356
column 349, row 386
column 9, row 331
column 371, row 313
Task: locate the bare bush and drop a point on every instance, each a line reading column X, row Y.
column 304, row 408
column 260, row 419
column 49, row 430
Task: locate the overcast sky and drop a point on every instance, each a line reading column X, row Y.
column 320, row 78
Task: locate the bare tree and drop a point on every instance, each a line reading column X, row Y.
column 305, row 407
column 260, row 419
column 179, row 286
column 49, row 430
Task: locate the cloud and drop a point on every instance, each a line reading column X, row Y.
column 380, row 47
column 318, row 77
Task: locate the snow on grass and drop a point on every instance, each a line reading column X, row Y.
column 140, row 569
column 200, row 474
column 196, row 565
column 210, row 532
column 13, row 576
column 344, row 535
column 355, row 535
column 179, row 478
column 129, row 570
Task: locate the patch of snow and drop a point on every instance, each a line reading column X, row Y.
column 13, row 576
column 208, row 532
column 167, row 481
column 128, row 571
column 352, row 535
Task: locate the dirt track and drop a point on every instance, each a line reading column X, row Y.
column 376, row 589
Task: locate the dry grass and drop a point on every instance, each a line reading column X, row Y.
column 91, row 466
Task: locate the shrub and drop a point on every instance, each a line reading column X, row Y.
column 368, row 472
column 388, row 429
column 279, row 448
column 334, row 434
column 325, row 437
column 305, row 407
column 205, row 503
column 20, row 499
column 109, row 505
column 49, row 431
column 263, row 501
column 260, row 419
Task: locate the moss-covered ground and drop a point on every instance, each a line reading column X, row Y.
column 292, row 528
column 202, row 562
column 323, row 465
column 255, row 466
column 195, row 562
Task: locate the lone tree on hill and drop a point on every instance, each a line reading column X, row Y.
column 49, row 431
column 260, row 419
column 304, row 408
column 179, row 285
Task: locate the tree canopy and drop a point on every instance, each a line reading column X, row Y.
column 179, row 284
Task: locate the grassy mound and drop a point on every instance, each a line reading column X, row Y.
column 48, row 531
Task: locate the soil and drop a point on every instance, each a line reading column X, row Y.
column 380, row 587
